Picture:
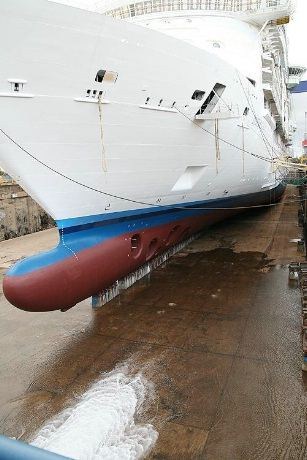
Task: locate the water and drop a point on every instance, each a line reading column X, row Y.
column 102, row 423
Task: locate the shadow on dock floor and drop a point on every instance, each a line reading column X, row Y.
column 217, row 330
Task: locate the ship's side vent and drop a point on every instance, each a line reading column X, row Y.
column 106, row 76
column 198, row 95
column 17, row 84
column 94, row 93
column 212, row 99
column 189, row 178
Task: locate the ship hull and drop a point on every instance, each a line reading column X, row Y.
column 91, row 257
column 129, row 162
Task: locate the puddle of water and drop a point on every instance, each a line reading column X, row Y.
column 102, row 423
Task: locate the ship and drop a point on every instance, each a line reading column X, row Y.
column 136, row 125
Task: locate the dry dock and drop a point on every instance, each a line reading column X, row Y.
column 217, row 330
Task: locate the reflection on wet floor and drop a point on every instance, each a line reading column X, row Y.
column 216, row 331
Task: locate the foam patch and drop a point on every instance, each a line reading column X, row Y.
column 102, row 424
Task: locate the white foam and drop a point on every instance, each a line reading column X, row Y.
column 101, row 425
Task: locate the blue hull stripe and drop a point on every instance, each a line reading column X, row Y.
column 86, row 232
column 81, row 223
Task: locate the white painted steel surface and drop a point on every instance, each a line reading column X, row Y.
column 129, row 145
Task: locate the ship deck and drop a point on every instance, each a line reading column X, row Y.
column 217, row 331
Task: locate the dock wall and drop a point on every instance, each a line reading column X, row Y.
column 19, row 213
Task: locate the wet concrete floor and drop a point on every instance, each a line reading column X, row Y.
column 217, row 330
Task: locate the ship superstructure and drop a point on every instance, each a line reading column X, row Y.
column 135, row 126
column 235, row 39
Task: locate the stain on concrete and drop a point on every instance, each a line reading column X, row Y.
column 216, row 330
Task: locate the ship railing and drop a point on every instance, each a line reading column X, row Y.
column 223, row 106
column 220, row 108
column 232, row 6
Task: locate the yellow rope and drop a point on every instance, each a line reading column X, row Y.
column 217, row 144
column 103, row 151
column 288, row 164
column 243, row 149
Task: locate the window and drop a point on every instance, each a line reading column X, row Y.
column 106, row 75
column 100, row 76
column 252, row 81
column 198, row 95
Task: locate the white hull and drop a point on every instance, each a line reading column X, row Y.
column 132, row 139
column 143, row 150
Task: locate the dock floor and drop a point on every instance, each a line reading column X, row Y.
column 217, row 331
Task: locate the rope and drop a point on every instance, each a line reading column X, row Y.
column 260, row 157
column 243, row 148
column 264, row 138
column 130, row 200
column 217, row 145
column 224, row 102
column 103, row 151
